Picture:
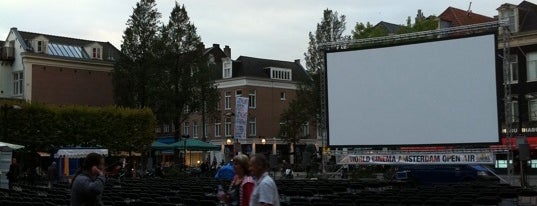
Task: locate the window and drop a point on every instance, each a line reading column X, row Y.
column 532, row 109
column 18, row 83
column 186, row 128
column 532, row 66
column 238, row 93
column 513, row 117
column 41, row 46
column 227, row 127
column 513, row 69
column 305, row 129
column 218, row 104
column 96, row 53
column 173, row 127
column 501, row 163
column 282, row 95
column 227, row 70
column 251, row 99
column 187, row 109
column 281, row 74
column 195, row 129
column 227, row 101
column 532, row 163
column 252, row 127
column 283, row 129
column 166, row 128
column 157, row 130
column 217, row 129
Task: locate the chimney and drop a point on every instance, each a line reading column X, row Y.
column 216, row 46
column 297, row 61
column 227, row 51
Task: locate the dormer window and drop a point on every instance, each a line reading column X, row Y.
column 227, row 69
column 281, row 74
column 41, row 47
column 96, row 53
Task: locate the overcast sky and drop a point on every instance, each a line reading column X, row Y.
column 273, row 29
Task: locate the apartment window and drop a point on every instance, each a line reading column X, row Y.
column 227, row 127
column 186, row 128
column 513, row 69
column 282, row 95
column 41, row 47
column 195, row 129
column 305, row 129
column 281, row 74
column 252, row 99
column 513, row 117
column 173, row 127
column 227, row 101
column 532, row 66
column 217, row 129
column 227, row 70
column 96, row 53
column 18, row 83
column 218, row 104
column 238, row 93
column 187, row 109
column 252, row 126
column 166, row 128
column 157, row 130
column 283, row 129
column 532, row 109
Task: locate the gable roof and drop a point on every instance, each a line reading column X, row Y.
column 257, row 67
column 527, row 16
column 459, row 17
column 108, row 48
column 390, row 28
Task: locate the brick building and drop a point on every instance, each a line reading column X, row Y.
column 269, row 86
column 56, row 70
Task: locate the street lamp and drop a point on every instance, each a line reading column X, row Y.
column 263, row 141
column 228, row 141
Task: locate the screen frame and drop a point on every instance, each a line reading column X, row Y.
column 499, row 81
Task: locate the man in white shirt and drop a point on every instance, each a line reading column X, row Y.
column 265, row 191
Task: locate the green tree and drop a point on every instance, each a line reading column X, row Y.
column 362, row 31
column 187, row 79
column 134, row 71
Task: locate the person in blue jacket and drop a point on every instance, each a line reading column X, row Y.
column 226, row 172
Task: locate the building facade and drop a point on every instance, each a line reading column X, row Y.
column 56, row 70
column 269, row 85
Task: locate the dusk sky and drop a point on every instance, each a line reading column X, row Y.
column 273, row 29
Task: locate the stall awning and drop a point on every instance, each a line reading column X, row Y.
column 10, row 146
column 195, row 145
column 79, row 152
column 156, row 145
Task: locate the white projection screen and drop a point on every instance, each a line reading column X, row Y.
column 429, row 93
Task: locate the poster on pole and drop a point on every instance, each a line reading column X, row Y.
column 241, row 117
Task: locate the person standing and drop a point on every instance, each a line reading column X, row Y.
column 52, row 174
column 13, row 173
column 88, row 184
column 265, row 191
column 242, row 186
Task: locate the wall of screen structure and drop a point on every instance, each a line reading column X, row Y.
column 437, row 92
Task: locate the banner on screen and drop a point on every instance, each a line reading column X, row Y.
column 241, row 117
column 430, row 158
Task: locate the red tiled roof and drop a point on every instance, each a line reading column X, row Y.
column 459, row 17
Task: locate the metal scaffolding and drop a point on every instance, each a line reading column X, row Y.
column 493, row 26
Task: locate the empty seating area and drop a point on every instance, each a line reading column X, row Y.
column 201, row 191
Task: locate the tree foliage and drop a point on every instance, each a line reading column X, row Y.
column 306, row 107
column 42, row 127
column 136, row 66
column 163, row 66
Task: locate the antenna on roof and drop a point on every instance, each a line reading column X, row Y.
column 469, row 11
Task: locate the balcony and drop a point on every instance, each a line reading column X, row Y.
column 7, row 54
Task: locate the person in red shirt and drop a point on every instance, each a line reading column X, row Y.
column 242, row 185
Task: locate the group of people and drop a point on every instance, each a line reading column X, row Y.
column 251, row 184
column 14, row 174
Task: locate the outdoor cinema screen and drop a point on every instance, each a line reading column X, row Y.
column 428, row 93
